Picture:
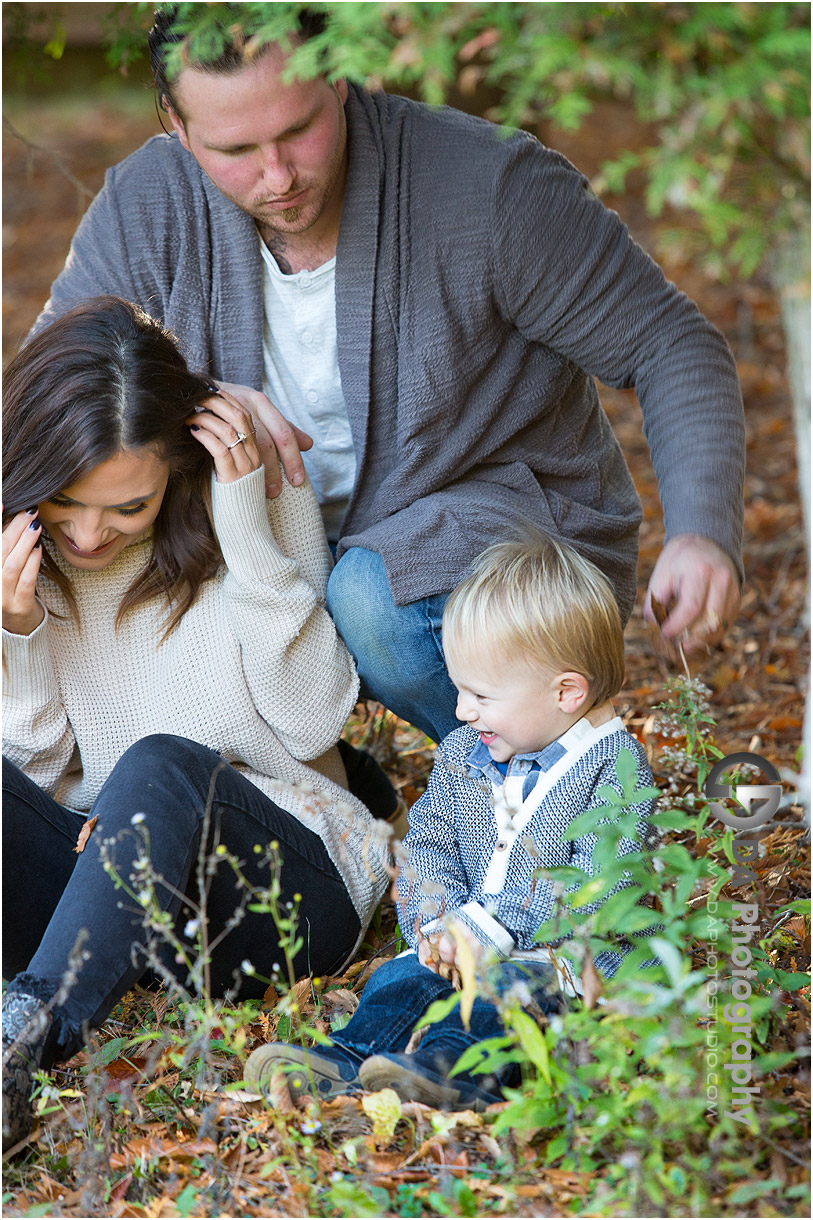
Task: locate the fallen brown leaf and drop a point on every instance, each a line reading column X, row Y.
column 659, row 610
column 341, row 999
column 84, row 834
column 592, row 986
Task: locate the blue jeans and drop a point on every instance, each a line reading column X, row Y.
column 397, row 649
column 400, row 992
column 50, row 893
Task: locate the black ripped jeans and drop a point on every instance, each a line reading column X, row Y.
column 50, row 892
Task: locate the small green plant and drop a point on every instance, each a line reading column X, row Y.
column 686, row 716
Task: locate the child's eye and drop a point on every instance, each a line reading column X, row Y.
column 131, row 512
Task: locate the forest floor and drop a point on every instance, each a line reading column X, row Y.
column 127, row 1135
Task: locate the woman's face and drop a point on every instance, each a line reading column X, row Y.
column 95, row 518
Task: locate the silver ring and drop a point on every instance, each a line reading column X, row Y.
column 241, row 436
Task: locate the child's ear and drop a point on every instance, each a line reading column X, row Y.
column 573, row 691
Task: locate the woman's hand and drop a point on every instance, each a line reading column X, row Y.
column 22, row 554
column 279, row 441
column 226, row 428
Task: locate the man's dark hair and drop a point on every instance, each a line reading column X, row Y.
column 230, row 60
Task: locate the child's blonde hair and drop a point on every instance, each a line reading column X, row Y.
column 537, row 600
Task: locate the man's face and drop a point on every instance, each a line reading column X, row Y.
column 275, row 150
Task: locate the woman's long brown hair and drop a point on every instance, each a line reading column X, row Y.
column 106, row 377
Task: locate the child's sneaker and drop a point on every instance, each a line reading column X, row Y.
column 417, row 1078
column 323, row 1072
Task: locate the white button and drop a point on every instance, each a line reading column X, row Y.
column 312, row 396
column 501, row 846
column 306, row 336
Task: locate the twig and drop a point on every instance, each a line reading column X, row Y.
column 784, row 1152
column 688, row 672
column 59, row 162
column 781, row 579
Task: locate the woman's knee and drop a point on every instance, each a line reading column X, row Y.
column 162, row 778
column 159, row 750
column 15, row 781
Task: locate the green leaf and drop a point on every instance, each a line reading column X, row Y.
column 801, row 907
column 755, row 1190
column 55, row 47
column 591, row 891
column 586, row 822
column 568, row 110
column 532, row 1041
column 110, row 1051
column 439, row 1010
column 187, row 1200
column 673, row 963
column 556, row 1148
column 791, row 981
column 626, row 768
column 672, row 819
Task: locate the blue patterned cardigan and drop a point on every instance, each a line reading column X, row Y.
column 476, row 837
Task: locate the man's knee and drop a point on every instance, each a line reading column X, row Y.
column 358, row 596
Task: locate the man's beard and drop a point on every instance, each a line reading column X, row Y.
column 284, row 221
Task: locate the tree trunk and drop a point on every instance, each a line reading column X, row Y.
column 791, row 278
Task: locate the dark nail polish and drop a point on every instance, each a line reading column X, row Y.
column 32, row 512
column 35, row 524
column 36, row 544
column 194, row 428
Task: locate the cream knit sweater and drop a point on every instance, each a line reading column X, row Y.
column 254, row 670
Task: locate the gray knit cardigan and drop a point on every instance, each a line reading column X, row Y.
column 480, row 286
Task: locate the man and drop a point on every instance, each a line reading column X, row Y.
column 430, row 300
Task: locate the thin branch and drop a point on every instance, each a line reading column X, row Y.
column 82, row 190
column 783, row 1151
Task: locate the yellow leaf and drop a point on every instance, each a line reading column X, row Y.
column 384, row 1109
column 467, row 969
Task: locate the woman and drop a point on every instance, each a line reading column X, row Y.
column 159, row 617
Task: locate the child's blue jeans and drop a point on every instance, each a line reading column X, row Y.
column 400, row 992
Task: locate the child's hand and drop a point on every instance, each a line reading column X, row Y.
column 430, row 953
column 439, row 952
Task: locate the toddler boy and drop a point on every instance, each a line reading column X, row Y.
column 533, row 643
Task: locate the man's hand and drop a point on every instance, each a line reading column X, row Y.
column 697, row 576
column 277, row 440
